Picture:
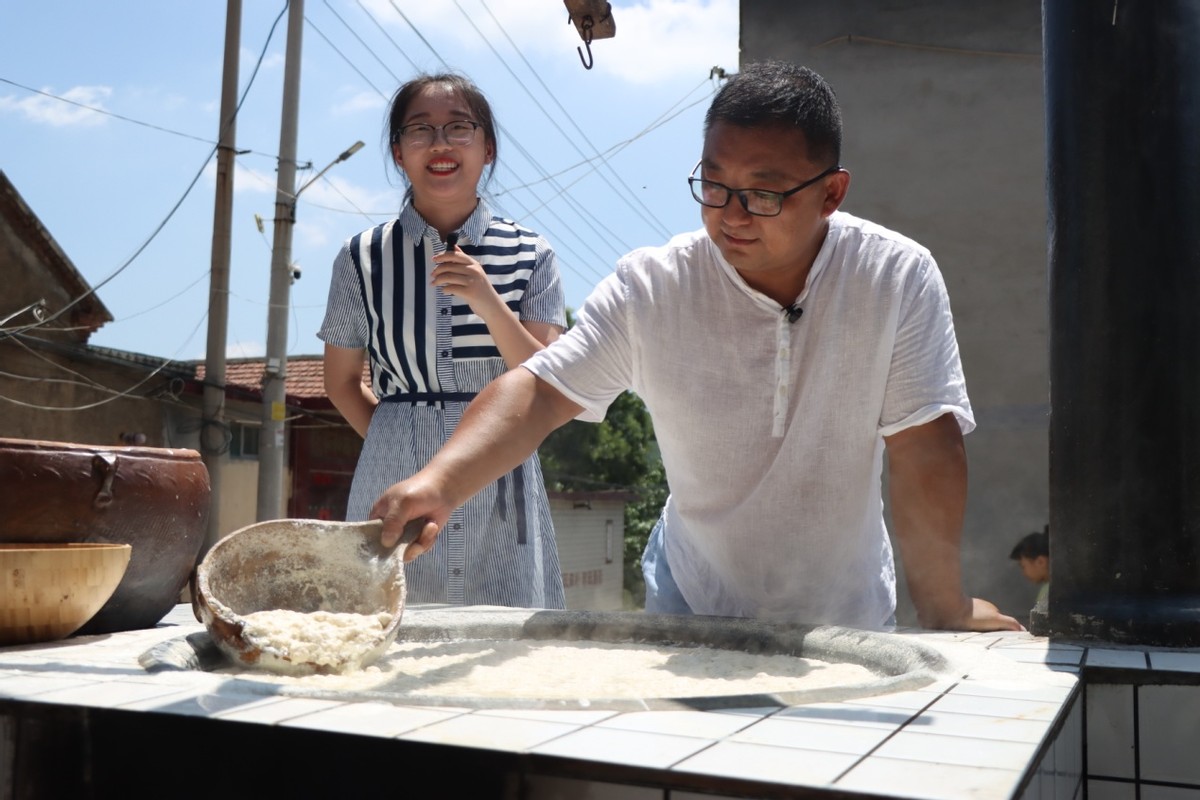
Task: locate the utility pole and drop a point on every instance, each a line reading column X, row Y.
column 214, row 439
column 272, row 444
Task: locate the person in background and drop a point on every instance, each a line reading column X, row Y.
column 1032, row 553
column 780, row 351
column 440, row 302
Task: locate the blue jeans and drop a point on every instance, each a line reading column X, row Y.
column 662, row 593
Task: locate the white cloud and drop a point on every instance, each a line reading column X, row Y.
column 245, row 350
column 332, row 207
column 656, row 40
column 272, row 60
column 46, row 110
column 665, row 40
column 249, row 181
column 360, row 101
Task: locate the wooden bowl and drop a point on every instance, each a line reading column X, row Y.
column 155, row 499
column 49, row 591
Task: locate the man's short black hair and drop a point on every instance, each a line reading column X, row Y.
column 784, row 95
column 1032, row 545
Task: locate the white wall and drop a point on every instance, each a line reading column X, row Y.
column 590, row 541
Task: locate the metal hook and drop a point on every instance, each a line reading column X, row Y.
column 587, row 42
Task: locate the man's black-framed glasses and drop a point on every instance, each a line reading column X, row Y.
column 759, row 202
column 459, row 132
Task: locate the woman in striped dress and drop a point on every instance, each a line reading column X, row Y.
column 441, row 301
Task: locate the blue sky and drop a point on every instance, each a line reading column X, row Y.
column 596, row 160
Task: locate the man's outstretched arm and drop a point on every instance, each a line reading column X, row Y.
column 501, row 428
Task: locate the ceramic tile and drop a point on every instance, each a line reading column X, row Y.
column 108, row 694
column 791, row 732
column 1015, row 690
column 549, row 715
column 1010, row 708
column 1175, row 662
column 1045, row 776
column 370, row 719
column 1051, row 655
column 32, row 685
column 1032, row 791
column 166, row 703
column 193, row 703
column 929, row 781
column 756, row 713
column 680, row 723
column 938, row 749
column 624, row 747
column 993, row 639
column 1149, row 791
column 889, row 712
column 1110, row 733
column 1169, row 731
column 272, row 710
column 493, row 733
column 1068, row 755
column 787, row 765
column 1116, row 659
column 547, row 787
column 979, row 726
column 1110, row 790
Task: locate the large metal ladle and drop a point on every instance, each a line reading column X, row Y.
column 301, row 565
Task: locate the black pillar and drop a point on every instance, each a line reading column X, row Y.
column 1123, row 176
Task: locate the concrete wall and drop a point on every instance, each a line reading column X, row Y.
column 944, row 138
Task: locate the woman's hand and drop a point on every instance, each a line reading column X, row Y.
column 460, row 275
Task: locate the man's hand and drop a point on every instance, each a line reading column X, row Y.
column 973, row 614
column 986, row 617
column 409, row 500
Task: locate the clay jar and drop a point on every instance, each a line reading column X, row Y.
column 154, row 499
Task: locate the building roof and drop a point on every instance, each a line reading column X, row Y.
column 85, row 312
column 305, row 382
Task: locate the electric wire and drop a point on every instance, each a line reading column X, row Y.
column 359, row 39
column 561, row 191
column 628, row 194
column 561, row 245
column 343, row 55
column 387, row 36
column 567, row 198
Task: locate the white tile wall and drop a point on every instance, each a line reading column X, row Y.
column 1175, row 661
column 1117, row 659
column 1110, row 734
column 1152, row 792
column 1069, row 755
column 1111, row 790
column 1169, row 734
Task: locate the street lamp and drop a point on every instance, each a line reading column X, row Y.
column 272, row 444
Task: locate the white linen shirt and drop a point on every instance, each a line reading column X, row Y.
column 772, row 432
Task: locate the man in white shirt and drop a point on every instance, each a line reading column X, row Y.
column 779, row 351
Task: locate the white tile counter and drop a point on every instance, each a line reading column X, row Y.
column 1008, row 726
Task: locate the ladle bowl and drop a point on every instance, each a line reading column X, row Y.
column 300, row 565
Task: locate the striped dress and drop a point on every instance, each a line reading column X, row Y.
column 429, row 355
